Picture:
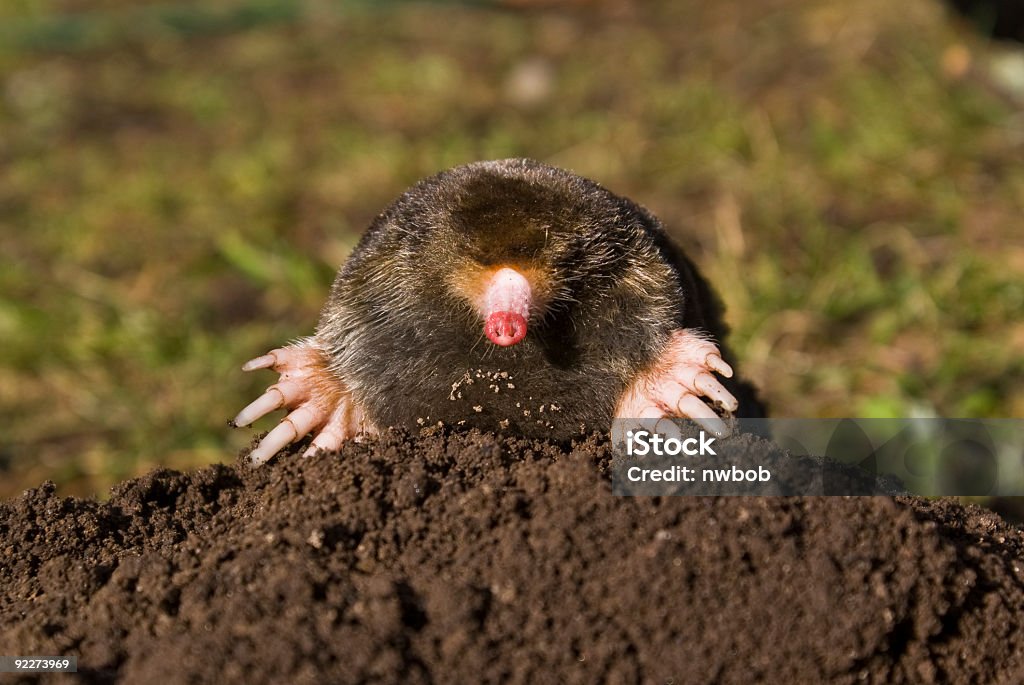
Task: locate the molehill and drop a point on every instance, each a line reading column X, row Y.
column 476, row 558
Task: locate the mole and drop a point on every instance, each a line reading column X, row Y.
column 509, row 296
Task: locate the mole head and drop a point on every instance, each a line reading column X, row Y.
column 504, row 237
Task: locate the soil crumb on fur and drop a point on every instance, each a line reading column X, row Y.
column 475, row 558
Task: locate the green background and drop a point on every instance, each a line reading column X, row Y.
column 179, row 183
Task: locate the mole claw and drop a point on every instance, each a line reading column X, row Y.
column 668, row 428
column 692, row 407
column 331, row 436
column 718, row 364
column 269, row 401
column 273, row 442
column 708, row 386
column 715, row 425
column 264, row 362
column 292, row 427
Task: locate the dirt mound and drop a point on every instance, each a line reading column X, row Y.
column 467, row 558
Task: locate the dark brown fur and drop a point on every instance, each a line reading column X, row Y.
column 402, row 335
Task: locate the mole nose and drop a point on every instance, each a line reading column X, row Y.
column 505, row 328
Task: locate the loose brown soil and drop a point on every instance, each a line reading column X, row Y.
column 472, row 558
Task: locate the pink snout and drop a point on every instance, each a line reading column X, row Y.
column 506, row 307
column 505, row 328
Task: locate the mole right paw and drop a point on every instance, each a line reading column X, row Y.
column 681, row 383
column 317, row 400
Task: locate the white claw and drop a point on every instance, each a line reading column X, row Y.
column 324, row 441
column 273, row 442
column 715, row 391
column 718, row 364
column 715, row 425
column 694, row 409
column 668, row 428
column 292, row 427
column 264, row 362
column 269, row 401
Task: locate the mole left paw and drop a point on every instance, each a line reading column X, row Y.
column 681, row 383
column 317, row 399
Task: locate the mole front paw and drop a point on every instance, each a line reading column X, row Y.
column 317, row 400
column 681, row 383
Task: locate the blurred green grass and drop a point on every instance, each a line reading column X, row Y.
column 175, row 197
